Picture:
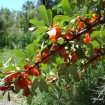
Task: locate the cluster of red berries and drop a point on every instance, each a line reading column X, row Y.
column 69, row 34
column 67, row 59
column 59, row 51
column 97, row 54
column 40, row 57
column 8, row 81
column 21, row 80
column 94, row 18
column 23, row 83
column 30, row 70
column 5, row 88
column 57, row 33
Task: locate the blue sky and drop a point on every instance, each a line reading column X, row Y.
column 13, row 4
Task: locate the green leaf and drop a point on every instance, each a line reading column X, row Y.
column 44, row 15
column 66, row 7
column 22, row 63
column 95, row 33
column 10, row 68
column 43, row 85
column 9, row 97
column 40, row 37
column 95, row 44
column 19, row 53
column 34, row 85
column 39, row 31
column 56, row 6
column 36, row 22
column 74, row 72
column 1, row 64
column 90, row 48
column 67, row 78
column 84, row 11
column 76, row 9
column 60, row 18
column 64, row 71
column 44, row 67
column 59, row 60
column 30, row 50
column 61, row 41
column 103, row 33
column 1, row 75
column 49, row 12
column 35, row 45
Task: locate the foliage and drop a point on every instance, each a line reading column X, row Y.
column 14, row 26
column 64, row 46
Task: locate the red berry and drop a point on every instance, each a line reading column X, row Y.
column 22, row 74
column 28, row 66
column 80, row 25
column 35, row 71
column 26, row 76
column 45, row 52
column 38, row 57
column 15, row 75
column 74, row 57
column 87, row 35
column 87, row 38
column 8, row 79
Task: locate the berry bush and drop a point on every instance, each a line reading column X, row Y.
column 64, row 47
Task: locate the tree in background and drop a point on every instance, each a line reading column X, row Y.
column 15, row 24
column 6, row 21
column 48, row 3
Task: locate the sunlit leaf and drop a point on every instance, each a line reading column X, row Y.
column 19, row 53
column 95, row 33
column 30, row 50
column 44, row 67
column 36, row 22
column 58, row 18
column 10, row 68
column 22, row 63
column 39, row 31
column 95, row 44
column 44, row 15
column 1, row 64
column 59, row 60
column 66, row 7
column 49, row 12
column 84, row 10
